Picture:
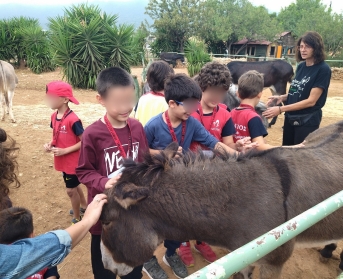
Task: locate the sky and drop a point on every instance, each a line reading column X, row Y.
column 272, row 5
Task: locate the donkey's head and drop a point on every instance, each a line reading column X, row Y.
column 128, row 238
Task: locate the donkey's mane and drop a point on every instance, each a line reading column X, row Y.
column 154, row 165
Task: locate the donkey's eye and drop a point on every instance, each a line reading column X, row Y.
column 105, row 223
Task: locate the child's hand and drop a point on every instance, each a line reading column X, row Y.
column 249, row 146
column 58, row 151
column 242, row 142
column 179, row 150
column 296, row 146
column 273, row 99
column 109, row 184
column 47, row 147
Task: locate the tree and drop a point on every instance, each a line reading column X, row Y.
column 174, row 21
column 232, row 20
column 86, row 40
column 306, row 15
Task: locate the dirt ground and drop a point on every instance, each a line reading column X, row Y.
column 43, row 190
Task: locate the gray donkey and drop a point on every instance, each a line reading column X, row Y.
column 223, row 201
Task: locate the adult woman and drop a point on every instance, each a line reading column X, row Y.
column 25, row 257
column 307, row 93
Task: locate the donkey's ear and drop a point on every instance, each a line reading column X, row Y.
column 129, row 194
column 171, row 149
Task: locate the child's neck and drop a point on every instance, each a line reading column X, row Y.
column 116, row 123
column 205, row 107
column 250, row 102
column 62, row 110
column 174, row 120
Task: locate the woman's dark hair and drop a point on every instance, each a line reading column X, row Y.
column 15, row 223
column 8, row 167
column 112, row 77
column 315, row 41
column 214, row 74
column 180, row 87
column 157, row 73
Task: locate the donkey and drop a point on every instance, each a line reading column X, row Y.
column 276, row 75
column 8, row 81
column 224, row 201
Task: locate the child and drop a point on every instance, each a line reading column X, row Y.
column 247, row 122
column 153, row 102
column 214, row 80
column 16, row 223
column 105, row 144
column 175, row 124
column 66, row 142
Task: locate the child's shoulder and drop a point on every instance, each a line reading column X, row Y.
column 95, row 127
column 155, row 120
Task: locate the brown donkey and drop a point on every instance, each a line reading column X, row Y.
column 223, row 201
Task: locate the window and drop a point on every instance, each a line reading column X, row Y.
column 272, row 51
column 251, row 50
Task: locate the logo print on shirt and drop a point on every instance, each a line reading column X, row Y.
column 297, row 87
column 63, row 129
column 113, row 158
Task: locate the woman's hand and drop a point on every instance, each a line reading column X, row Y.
column 275, row 100
column 272, row 112
column 93, row 211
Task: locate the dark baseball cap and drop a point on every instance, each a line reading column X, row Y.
column 61, row 89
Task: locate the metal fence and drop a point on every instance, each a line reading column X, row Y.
column 261, row 246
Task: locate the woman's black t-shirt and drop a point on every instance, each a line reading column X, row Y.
column 306, row 78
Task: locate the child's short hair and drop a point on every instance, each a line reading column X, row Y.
column 157, row 73
column 15, row 224
column 112, row 77
column 180, row 87
column 250, row 84
column 214, row 74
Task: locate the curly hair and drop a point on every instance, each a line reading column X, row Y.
column 315, row 41
column 8, row 166
column 214, row 74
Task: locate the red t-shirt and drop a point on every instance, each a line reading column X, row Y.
column 66, row 137
column 247, row 123
column 39, row 275
column 214, row 125
column 100, row 157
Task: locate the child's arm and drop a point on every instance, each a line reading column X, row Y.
column 262, row 145
column 78, row 131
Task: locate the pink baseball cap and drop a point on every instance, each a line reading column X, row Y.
column 61, row 89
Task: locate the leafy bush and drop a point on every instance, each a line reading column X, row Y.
column 196, row 55
column 22, row 39
column 86, row 40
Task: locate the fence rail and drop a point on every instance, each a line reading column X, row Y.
column 261, row 246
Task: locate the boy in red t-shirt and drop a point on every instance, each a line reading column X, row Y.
column 16, row 223
column 105, row 145
column 247, row 122
column 66, row 142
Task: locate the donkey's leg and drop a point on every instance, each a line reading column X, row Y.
column 10, row 104
column 3, row 106
column 341, row 262
column 326, row 252
column 245, row 273
column 271, row 265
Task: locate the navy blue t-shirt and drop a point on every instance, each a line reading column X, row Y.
column 158, row 135
column 306, row 78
